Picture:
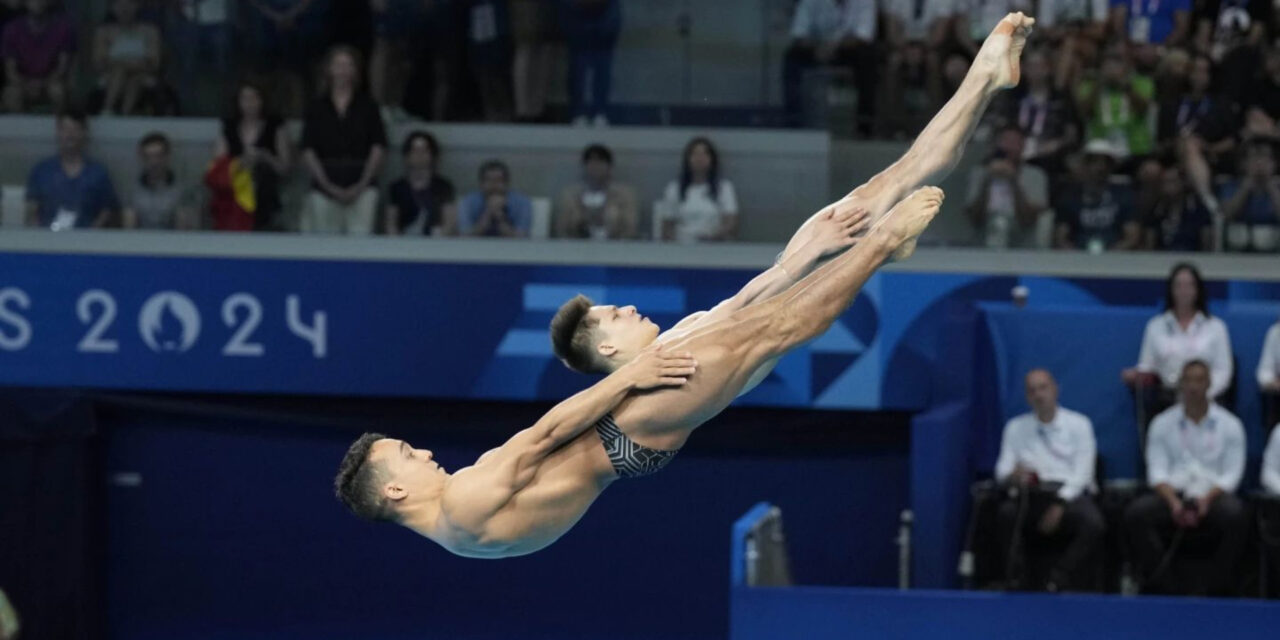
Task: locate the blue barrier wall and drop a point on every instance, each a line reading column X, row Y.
column 229, row 528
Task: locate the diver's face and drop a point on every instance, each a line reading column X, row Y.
column 621, row 331
column 406, row 469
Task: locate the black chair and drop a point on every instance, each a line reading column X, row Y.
column 1267, row 514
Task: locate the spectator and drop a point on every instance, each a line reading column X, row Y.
column 531, row 25
column 597, row 207
column 592, row 28
column 1051, row 451
column 430, row 92
column 69, row 190
column 1152, row 21
column 256, row 138
column 1177, row 221
column 394, row 22
column 1115, row 105
column 489, row 52
column 126, row 55
column 836, row 32
column 1269, row 363
column 1195, row 459
column 1007, row 196
column 1184, row 332
column 1057, row 17
column 422, row 203
column 1044, row 114
column 1271, row 463
column 1199, row 125
column 37, row 50
column 1262, row 102
column 159, row 200
column 495, row 210
column 10, row 10
column 344, row 143
column 700, row 206
column 1097, row 214
column 917, row 32
column 1251, row 201
column 1232, row 33
column 288, row 36
column 199, row 35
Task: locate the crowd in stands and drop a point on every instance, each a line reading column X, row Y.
column 1194, row 454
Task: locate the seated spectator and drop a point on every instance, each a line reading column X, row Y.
column 422, row 203
column 1271, row 463
column 159, row 200
column 437, row 49
column 344, row 142
column 838, row 33
column 1195, row 458
column 1114, row 106
column 126, row 55
column 1251, row 201
column 37, row 50
column 1007, row 196
column 1199, row 125
column 288, row 36
column 591, row 28
column 70, row 191
column 496, row 209
column 255, row 137
column 394, row 22
column 700, row 206
column 489, row 55
column 597, row 207
column 532, row 25
column 1184, row 332
column 1044, row 114
column 1165, row 23
column 1057, row 17
column 1232, row 32
column 1051, row 451
column 1262, row 101
column 1177, row 221
column 1096, row 214
column 199, row 34
column 1269, row 363
column 916, row 32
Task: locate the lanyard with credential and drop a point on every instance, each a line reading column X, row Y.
column 1209, row 428
column 1042, row 430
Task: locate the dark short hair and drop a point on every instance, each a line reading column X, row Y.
column 571, row 333
column 598, row 152
column 495, row 165
column 75, row 115
column 1196, row 362
column 155, row 137
column 1202, row 295
column 357, row 484
column 415, row 136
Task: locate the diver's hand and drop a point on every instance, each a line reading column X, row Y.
column 656, row 367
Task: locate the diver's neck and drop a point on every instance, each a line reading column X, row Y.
column 423, row 516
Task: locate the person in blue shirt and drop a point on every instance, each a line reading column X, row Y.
column 1166, row 22
column 495, row 210
column 1251, row 200
column 1178, row 221
column 70, row 191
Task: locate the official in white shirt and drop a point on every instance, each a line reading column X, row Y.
column 1271, row 463
column 1269, row 363
column 1184, row 332
column 1195, row 459
column 839, row 33
column 1051, row 449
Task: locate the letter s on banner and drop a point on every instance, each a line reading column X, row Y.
column 22, row 333
column 317, row 334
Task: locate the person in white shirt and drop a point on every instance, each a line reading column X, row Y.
column 1051, row 449
column 918, row 33
column 1269, row 363
column 1184, row 332
column 700, row 206
column 838, row 33
column 1195, row 459
column 1271, row 463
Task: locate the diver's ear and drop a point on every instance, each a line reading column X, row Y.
column 607, row 350
column 394, row 491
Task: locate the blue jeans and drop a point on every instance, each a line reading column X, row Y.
column 592, row 36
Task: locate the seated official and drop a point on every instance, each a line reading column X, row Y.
column 1195, row 459
column 1269, row 363
column 1051, row 452
column 1271, row 463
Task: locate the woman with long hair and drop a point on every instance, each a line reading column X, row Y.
column 701, row 206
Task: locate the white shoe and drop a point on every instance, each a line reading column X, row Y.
column 581, row 122
column 600, row 122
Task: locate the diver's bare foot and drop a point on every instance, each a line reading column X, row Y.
column 909, row 218
column 1002, row 52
